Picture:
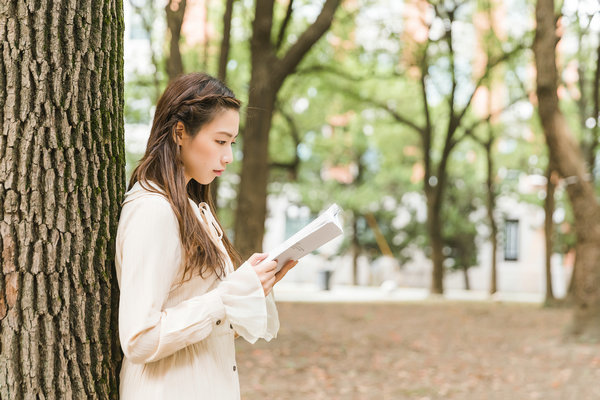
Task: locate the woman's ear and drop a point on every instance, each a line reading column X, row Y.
column 178, row 132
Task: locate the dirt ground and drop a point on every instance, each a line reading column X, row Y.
column 428, row 350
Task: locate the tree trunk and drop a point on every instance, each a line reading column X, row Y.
column 569, row 163
column 491, row 206
column 268, row 74
column 225, row 41
column 434, row 230
column 355, row 249
column 549, row 229
column 206, row 44
column 175, row 11
column 595, row 113
column 222, row 68
column 466, row 278
column 252, row 206
column 63, row 178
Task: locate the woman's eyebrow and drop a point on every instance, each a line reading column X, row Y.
column 228, row 134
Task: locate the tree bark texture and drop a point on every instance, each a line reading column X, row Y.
column 570, row 164
column 62, row 177
column 267, row 76
column 175, row 11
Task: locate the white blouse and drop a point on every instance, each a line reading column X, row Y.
column 178, row 338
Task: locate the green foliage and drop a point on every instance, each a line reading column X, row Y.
column 461, row 217
column 332, row 140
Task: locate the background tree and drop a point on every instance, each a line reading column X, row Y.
column 440, row 125
column 63, row 178
column 268, row 72
column 225, row 41
column 175, row 12
column 569, row 162
column 549, row 207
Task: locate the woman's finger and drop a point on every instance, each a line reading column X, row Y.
column 256, row 258
column 268, row 266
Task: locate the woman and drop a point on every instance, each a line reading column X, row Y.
column 181, row 300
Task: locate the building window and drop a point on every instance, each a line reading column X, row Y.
column 296, row 219
column 511, row 240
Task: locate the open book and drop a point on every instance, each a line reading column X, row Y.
column 314, row 235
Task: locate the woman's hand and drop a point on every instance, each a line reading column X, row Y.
column 265, row 270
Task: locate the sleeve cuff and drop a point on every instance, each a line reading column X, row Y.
column 272, row 318
column 245, row 303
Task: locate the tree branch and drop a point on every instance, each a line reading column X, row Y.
column 316, row 68
column 225, row 41
column 261, row 28
column 291, row 166
column 310, row 36
column 470, row 130
column 424, row 72
column 174, row 23
column 490, row 65
column 284, row 25
column 327, row 68
column 393, row 113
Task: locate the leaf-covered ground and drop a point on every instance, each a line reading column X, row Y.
column 428, row 350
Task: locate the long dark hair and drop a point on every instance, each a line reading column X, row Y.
column 194, row 100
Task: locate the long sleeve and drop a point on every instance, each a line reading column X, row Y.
column 252, row 315
column 150, row 261
column 151, row 255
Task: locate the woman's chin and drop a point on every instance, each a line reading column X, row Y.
column 205, row 181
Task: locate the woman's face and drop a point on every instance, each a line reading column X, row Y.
column 206, row 155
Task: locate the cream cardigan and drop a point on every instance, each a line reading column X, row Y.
column 178, row 338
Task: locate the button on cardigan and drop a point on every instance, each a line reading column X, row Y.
column 178, row 338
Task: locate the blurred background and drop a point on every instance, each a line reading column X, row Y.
column 423, row 120
column 418, row 118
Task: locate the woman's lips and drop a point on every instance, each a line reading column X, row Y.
column 218, row 171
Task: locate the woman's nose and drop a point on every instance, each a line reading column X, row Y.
column 228, row 156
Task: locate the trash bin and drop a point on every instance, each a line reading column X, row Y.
column 324, row 278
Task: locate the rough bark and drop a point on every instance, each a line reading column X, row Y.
column 569, row 163
column 268, row 74
column 63, row 177
column 175, row 10
column 549, row 228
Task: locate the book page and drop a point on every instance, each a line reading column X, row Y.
column 320, row 231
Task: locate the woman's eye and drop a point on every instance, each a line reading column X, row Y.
column 221, row 142
column 232, row 143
